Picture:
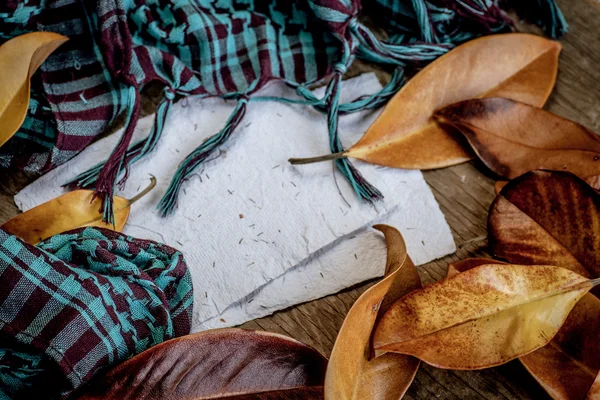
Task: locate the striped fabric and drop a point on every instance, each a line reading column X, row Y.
column 227, row 48
column 81, row 301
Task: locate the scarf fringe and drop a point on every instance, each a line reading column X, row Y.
column 186, row 169
column 105, row 186
column 397, row 51
column 374, row 50
column 95, row 177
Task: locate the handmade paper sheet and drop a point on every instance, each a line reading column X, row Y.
column 258, row 233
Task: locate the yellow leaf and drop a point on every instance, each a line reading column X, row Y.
column 483, row 317
column 20, row 57
column 72, row 210
column 567, row 366
column 350, row 373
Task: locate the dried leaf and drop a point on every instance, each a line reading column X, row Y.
column 512, row 138
column 72, row 210
column 483, row 317
column 350, row 374
column 517, row 66
column 20, row 57
column 222, row 363
column 567, row 366
column 546, row 218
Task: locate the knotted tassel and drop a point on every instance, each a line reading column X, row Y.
column 108, row 174
column 186, row 169
column 372, row 49
column 361, row 186
column 428, row 34
column 136, row 152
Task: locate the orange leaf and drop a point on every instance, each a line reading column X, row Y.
column 72, row 210
column 221, row 363
column 512, row 138
column 483, row 317
column 20, row 57
column 546, row 218
column 350, row 374
column 518, row 66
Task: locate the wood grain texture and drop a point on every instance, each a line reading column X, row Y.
column 464, row 193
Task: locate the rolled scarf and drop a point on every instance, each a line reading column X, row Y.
column 226, row 48
column 81, row 301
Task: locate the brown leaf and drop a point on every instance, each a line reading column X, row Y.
column 567, row 366
column 546, row 218
column 350, row 374
column 72, row 210
column 518, row 66
column 483, row 317
column 20, row 57
column 221, row 363
column 512, row 138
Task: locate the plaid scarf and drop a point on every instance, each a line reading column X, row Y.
column 227, row 48
column 81, row 301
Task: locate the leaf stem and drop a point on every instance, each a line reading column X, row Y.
column 145, row 191
column 310, row 160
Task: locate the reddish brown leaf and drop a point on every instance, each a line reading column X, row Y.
column 483, row 317
column 547, row 218
column 222, row 363
column 350, row 374
column 512, row 138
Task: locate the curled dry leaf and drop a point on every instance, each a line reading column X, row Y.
column 544, row 218
column 222, row 363
column 512, row 138
column 483, row 317
column 567, row 366
column 518, row 66
column 350, row 374
column 72, row 210
column 20, row 57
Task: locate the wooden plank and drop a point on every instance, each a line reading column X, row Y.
column 464, row 193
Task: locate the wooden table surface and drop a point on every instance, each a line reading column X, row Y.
column 464, row 193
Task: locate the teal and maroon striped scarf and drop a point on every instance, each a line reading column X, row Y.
column 226, row 48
